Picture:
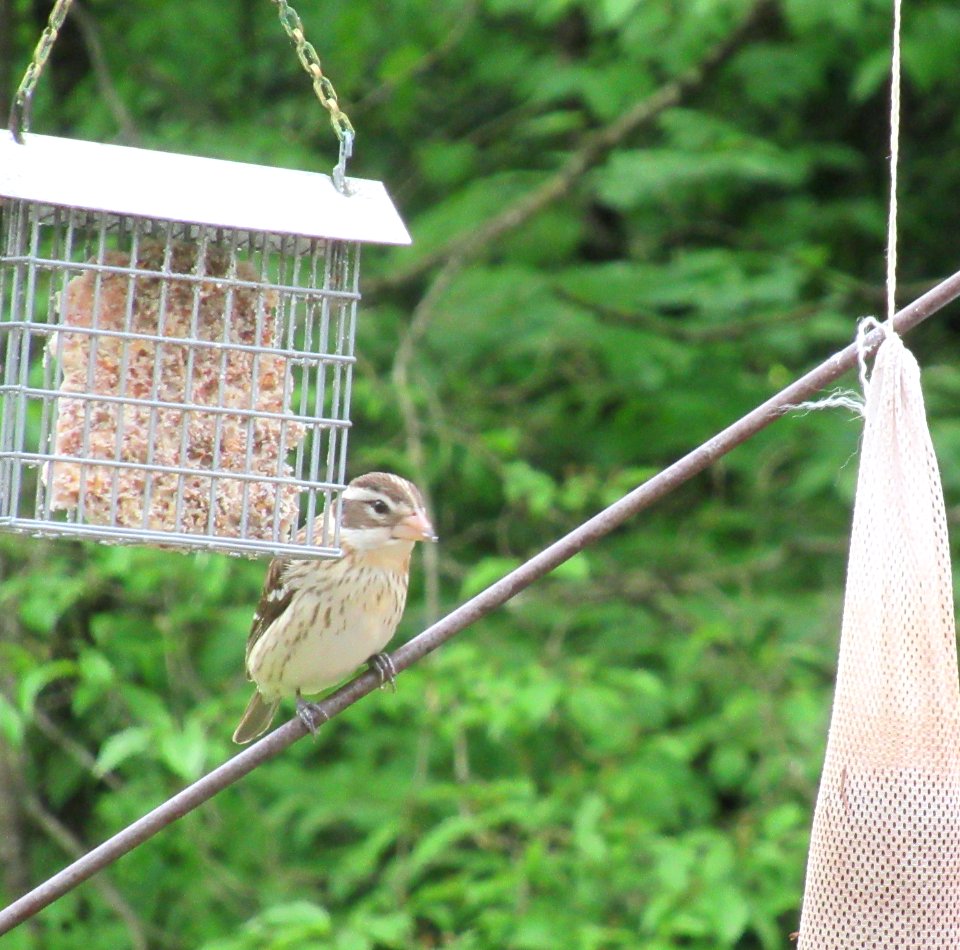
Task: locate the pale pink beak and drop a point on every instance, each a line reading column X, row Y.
column 415, row 527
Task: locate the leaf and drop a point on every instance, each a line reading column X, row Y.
column 484, row 573
column 574, row 570
column 447, row 163
column 284, row 926
column 631, row 179
column 616, row 12
column 524, row 485
column 393, row 930
column 11, row 722
column 42, row 605
column 871, row 76
column 95, row 676
column 443, row 837
column 121, row 746
column 37, row 679
column 184, row 751
column 587, row 837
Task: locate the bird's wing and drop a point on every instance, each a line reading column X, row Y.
column 274, row 600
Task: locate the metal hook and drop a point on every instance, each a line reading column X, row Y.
column 340, row 169
column 19, row 119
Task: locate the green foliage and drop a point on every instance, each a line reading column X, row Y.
column 626, row 755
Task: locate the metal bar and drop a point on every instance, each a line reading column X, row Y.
column 49, row 367
column 254, row 386
column 61, row 225
column 221, row 390
column 89, row 396
column 92, row 355
column 479, row 606
column 310, row 312
column 300, row 356
column 121, row 419
column 293, row 309
column 9, row 214
column 156, row 375
column 19, row 348
column 294, row 261
column 187, row 231
column 102, row 268
column 116, row 534
column 341, row 468
column 61, row 231
column 331, row 250
column 89, row 462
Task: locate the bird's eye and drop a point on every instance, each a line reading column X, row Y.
column 380, row 507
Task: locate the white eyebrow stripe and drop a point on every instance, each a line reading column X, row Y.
column 353, row 493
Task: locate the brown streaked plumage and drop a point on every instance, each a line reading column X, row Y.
column 318, row 621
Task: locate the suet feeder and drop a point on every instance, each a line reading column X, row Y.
column 176, row 345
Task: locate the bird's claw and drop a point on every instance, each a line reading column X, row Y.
column 311, row 715
column 382, row 665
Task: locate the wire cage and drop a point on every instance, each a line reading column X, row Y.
column 176, row 344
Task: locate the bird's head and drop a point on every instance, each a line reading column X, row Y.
column 383, row 512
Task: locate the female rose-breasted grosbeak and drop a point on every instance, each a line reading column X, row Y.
column 318, row 621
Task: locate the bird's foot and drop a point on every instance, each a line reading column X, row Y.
column 311, row 715
column 382, row 665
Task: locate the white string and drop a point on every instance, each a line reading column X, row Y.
column 865, row 326
column 849, row 399
column 894, row 162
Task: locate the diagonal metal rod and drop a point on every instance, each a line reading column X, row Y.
column 486, row 601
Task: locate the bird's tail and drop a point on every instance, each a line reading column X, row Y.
column 256, row 719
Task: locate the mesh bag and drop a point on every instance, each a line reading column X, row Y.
column 884, row 863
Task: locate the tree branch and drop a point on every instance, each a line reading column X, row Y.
column 685, row 332
column 6, row 55
column 16, row 877
column 594, row 149
column 465, row 17
column 90, row 34
column 68, row 841
column 412, row 426
column 72, row 748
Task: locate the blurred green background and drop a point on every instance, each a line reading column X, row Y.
column 626, row 755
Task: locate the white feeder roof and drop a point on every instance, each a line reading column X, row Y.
column 208, row 191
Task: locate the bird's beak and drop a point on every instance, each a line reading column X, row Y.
column 415, row 527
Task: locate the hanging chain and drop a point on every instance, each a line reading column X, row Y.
column 23, row 99
column 321, row 86
column 306, row 53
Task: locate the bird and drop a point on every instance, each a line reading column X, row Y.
column 320, row 620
